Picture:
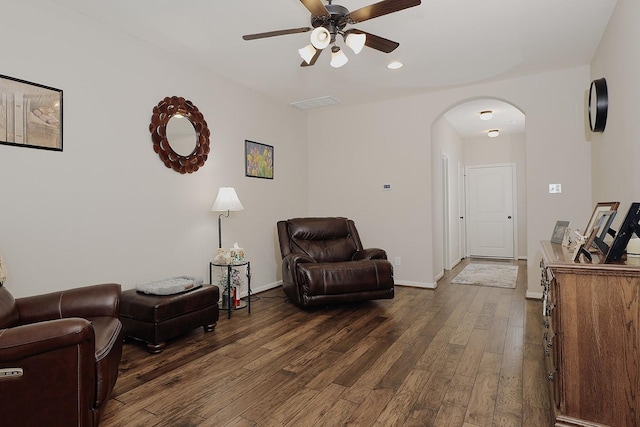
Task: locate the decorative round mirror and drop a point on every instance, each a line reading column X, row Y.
column 180, row 134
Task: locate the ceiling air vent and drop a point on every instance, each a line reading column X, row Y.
column 315, row 103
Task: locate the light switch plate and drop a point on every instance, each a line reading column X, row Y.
column 555, row 188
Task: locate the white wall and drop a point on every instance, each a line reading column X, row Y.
column 106, row 209
column 354, row 150
column 446, row 142
column 616, row 151
column 510, row 148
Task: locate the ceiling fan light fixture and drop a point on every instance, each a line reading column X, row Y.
column 486, row 115
column 307, row 53
column 338, row 58
column 493, row 133
column 320, row 38
column 355, row 41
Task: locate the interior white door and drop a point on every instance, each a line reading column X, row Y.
column 490, row 223
column 462, row 229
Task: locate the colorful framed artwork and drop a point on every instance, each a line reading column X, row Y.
column 258, row 160
column 30, row 114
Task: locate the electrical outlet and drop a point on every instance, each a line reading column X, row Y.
column 398, row 260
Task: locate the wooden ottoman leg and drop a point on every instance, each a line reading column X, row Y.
column 209, row 328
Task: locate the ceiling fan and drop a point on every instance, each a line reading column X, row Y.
column 330, row 20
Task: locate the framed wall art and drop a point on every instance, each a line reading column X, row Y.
column 30, row 114
column 258, row 160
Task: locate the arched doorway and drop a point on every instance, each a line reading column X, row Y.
column 459, row 140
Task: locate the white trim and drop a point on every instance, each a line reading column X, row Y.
column 418, row 284
column 262, row 288
column 533, row 295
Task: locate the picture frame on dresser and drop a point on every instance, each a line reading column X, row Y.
column 630, row 226
column 30, row 114
column 595, row 216
column 559, row 231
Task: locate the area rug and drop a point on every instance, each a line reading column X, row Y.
column 501, row 276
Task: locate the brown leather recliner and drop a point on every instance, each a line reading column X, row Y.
column 323, row 262
column 59, row 356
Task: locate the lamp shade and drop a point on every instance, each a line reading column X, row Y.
column 320, row 38
column 307, row 53
column 227, row 200
column 338, row 58
column 355, row 41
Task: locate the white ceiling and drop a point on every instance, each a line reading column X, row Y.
column 443, row 43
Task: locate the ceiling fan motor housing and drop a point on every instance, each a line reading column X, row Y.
column 336, row 19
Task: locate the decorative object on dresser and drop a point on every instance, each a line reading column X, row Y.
column 324, row 262
column 591, row 318
column 30, row 114
column 559, row 231
column 180, row 134
column 630, row 226
column 227, row 200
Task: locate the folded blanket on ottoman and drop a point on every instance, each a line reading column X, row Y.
column 171, row 286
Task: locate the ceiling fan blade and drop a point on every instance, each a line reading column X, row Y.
column 276, row 33
column 377, row 42
column 381, row 8
column 315, row 7
column 313, row 59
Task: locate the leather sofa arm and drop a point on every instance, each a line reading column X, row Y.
column 370, row 253
column 289, row 263
column 29, row 340
column 89, row 301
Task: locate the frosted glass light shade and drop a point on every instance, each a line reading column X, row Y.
column 320, row 38
column 493, row 133
column 338, row 58
column 356, row 41
column 307, row 53
column 227, row 200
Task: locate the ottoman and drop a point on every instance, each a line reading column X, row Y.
column 158, row 318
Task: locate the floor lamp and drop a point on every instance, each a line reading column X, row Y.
column 227, row 200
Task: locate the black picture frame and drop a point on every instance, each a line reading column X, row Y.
column 30, row 114
column 258, row 160
column 630, row 226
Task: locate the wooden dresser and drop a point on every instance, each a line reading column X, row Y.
column 591, row 314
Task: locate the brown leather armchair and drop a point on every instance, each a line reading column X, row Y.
column 59, row 356
column 323, row 262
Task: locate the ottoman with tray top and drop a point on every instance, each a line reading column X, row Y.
column 156, row 319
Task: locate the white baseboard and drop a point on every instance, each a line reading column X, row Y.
column 533, row 295
column 418, row 284
column 261, row 288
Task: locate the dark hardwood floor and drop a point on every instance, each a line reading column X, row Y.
column 460, row 355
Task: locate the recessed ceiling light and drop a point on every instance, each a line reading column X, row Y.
column 486, row 115
column 493, row 133
column 394, row 65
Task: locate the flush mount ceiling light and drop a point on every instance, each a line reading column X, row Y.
column 395, row 65
column 330, row 20
column 493, row 133
column 486, row 115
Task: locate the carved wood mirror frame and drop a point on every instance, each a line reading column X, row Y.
column 162, row 113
